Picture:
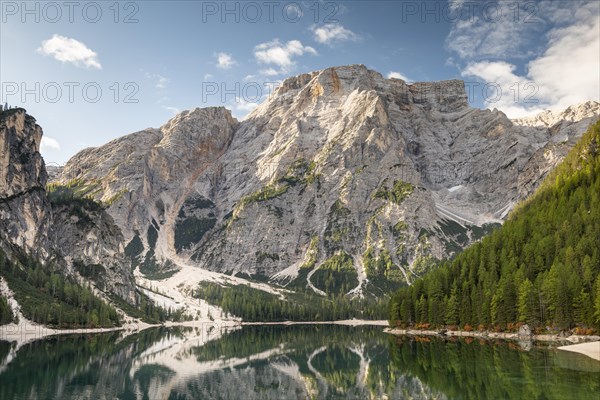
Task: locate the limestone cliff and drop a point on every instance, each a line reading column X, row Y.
column 24, row 208
column 338, row 167
column 77, row 234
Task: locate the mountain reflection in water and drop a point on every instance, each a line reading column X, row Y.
column 289, row 362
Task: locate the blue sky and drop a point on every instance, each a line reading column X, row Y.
column 151, row 59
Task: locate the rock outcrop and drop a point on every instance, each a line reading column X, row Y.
column 77, row 234
column 338, row 164
column 24, row 208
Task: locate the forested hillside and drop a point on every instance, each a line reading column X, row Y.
column 256, row 305
column 541, row 268
column 46, row 296
column 49, row 298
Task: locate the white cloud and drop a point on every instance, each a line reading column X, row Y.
column 563, row 73
column 281, row 54
column 49, row 144
column 240, row 109
column 245, row 106
column 455, row 4
column 225, row 61
column 398, row 75
column 503, row 87
column 174, row 110
column 566, row 74
column 208, row 77
column 161, row 81
column 270, row 72
column 331, row 33
column 65, row 49
column 481, row 39
column 505, row 29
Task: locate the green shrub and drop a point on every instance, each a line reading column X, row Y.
column 191, row 231
column 397, row 194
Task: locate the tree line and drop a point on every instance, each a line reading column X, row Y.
column 48, row 298
column 259, row 306
column 541, row 268
column 6, row 314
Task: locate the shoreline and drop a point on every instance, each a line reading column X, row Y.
column 590, row 349
column 494, row 335
column 28, row 331
column 345, row 322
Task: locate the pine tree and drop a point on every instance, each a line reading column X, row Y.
column 527, row 304
column 452, row 307
column 597, row 302
column 6, row 315
column 583, row 308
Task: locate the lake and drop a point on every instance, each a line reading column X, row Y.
column 289, row 362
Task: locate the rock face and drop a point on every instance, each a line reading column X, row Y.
column 24, row 207
column 86, row 237
column 147, row 177
column 79, row 235
column 563, row 130
column 341, row 169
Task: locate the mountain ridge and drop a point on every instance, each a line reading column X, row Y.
column 343, row 183
column 319, row 138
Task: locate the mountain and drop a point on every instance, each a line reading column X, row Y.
column 24, row 207
column 72, row 234
column 541, row 268
column 341, row 174
column 343, row 185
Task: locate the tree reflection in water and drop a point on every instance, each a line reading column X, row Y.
column 281, row 362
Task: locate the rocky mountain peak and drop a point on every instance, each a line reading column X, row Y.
column 21, row 165
column 198, row 122
column 550, row 118
column 337, row 85
column 443, row 96
column 24, row 208
column 333, row 77
column 193, row 135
